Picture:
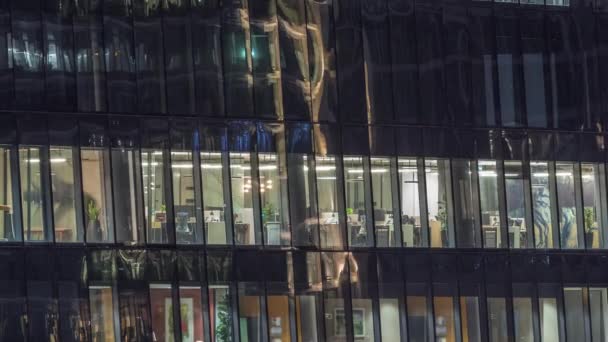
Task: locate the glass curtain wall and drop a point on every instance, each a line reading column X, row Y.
column 414, row 229
column 33, row 169
column 543, row 203
column 97, row 195
column 10, row 215
column 385, row 200
column 440, row 210
column 357, row 195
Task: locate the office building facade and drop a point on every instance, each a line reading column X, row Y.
column 303, row 170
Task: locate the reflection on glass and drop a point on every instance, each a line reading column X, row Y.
column 191, row 313
column 67, row 226
column 598, row 305
column 155, row 207
column 161, row 308
column 332, row 235
column 541, row 203
column 250, row 315
column 243, row 187
column 382, row 194
column 390, row 316
column 417, row 313
column 97, row 195
column 523, row 317
column 575, row 313
column 488, row 199
column 302, row 200
column 411, row 224
column 101, row 299
column 497, row 319
column 32, row 194
column 593, row 176
column 273, row 196
column 515, row 184
column 278, row 318
column 355, row 194
column 466, row 203
column 214, row 202
column 334, row 289
column 220, row 313
column 10, row 229
column 566, row 199
column 439, row 202
column 126, row 189
column 184, row 203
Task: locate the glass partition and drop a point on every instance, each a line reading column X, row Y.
column 97, row 195
column 516, row 185
column 331, row 217
column 568, row 186
column 155, row 206
column 542, row 178
column 382, row 197
column 594, row 204
column 34, row 193
column 489, row 205
column 413, row 227
column 244, row 189
column 356, row 194
column 66, row 218
column 274, row 199
column 215, row 209
column 439, row 202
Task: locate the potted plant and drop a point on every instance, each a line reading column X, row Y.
column 590, row 225
column 94, row 231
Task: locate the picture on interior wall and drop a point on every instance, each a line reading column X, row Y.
column 187, row 319
column 358, row 322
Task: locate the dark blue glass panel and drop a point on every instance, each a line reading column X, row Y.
column 483, row 66
column 28, row 59
column 6, row 62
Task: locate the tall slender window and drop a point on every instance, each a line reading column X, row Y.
column 443, row 307
column 10, row 222
column 488, row 199
column 250, row 313
column 331, row 217
column 575, row 311
column 598, row 306
column 34, row 188
column 186, row 220
column 215, row 208
column 542, row 177
column 161, row 302
column 439, row 202
column 523, row 317
column 103, row 311
column 357, row 200
column 517, row 216
column 273, row 199
column 413, row 226
column 568, row 187
column 153, row 177
column 466, row 203
column 594, row 204
column 419, row 328
column 244, row 188
column 126, row 186
column 550, row 309
column 97, row 193
column 66, row 218
column 383, row 200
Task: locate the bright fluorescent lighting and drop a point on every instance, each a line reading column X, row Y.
column 563, row 174
column 326, row 178
column 267, row 167
column 181, row 166
column 379, row 170
column 211, row 166
column 325, row 168
column 486, row 163
column 355, row 171
column 487, row 174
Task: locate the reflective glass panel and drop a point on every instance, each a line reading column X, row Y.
column 575, row 313
column 488, row 199
column 382, row 196
column 244, row 189
column 214, row 201
column 68, row 226
column 594, row 203
column 411, row 223
column 550, row 309
column 356, row 202
column 152, row 167
column 307, row 309
column 161, row 308
column 302, row 200
column 443, row 306
column 497, row 319
column 220, row 313
column 419, row 329
column 329, row 197
column 250, row 314
column 273, row 196
column 279, row 318
column 33, row 194
column 523, row 316
column 541, row 202
column 191, row 313
column 466, row 203
column 566, row 199
column 97, row 193
column 439, row 202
